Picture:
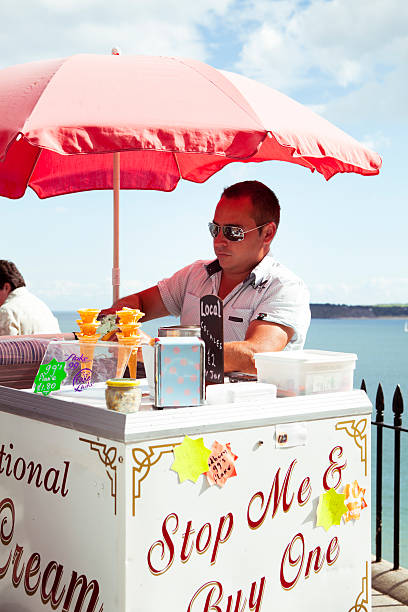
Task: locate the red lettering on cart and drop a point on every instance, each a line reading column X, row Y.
column 54, row 481
column 32, row 569
column 220, row 538
column 6, row 537
column 164, row 549
column 16, row 561
column 318, row 561
column 333, row 548
column 334, row 469
column 289, row 560
column 183, row 556
column 85, row 589
column 278, row 495
column 50, row 594
column 168, row 541
column 214, row 592
column 304, row 492
column 49, row 584
column 199, row 536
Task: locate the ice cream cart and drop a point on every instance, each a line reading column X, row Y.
column 98, row 512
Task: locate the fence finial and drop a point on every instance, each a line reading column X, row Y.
column 397, row 406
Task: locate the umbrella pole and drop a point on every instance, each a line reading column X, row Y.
column 116, row 189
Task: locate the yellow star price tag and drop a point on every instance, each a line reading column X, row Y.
column 330, row 509
column 191, row 459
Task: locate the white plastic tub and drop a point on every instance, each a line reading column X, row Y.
column 308, row 371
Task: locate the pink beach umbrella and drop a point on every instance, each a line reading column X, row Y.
column 66, row 125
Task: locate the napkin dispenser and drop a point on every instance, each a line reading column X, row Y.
column 179, row 371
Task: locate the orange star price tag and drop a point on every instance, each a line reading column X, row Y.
column 354, row 501
column 221, row 464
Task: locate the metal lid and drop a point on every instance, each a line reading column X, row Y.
column 180, row 330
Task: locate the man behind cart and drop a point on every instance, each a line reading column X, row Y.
column 266, row 306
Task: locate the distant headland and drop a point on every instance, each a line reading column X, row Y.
column 342, row 311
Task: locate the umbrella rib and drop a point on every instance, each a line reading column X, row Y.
column 177, row 164
column 255, row 116
column 42, row 93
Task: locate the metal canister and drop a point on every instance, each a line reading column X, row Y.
column 179, row 371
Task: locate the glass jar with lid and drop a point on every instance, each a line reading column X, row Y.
column 123, row 395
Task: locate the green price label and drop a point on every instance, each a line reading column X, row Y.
column 49, row 377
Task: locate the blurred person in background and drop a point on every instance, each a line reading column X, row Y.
column 21, row 312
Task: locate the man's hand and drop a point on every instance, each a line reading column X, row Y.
column 261, row 336
column 130, row 301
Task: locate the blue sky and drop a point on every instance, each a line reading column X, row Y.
column 345, row 59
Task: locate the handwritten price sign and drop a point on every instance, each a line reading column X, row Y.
column 49, row 377
column 212, row 332
column 221, row 464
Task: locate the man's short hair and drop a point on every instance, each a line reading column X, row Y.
column 9, row 273
column 265, row 203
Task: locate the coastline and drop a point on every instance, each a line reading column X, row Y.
column 344, row 311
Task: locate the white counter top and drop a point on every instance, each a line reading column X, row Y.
column 91, row 416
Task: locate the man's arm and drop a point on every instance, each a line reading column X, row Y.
column 148, row 301
column 261, row 336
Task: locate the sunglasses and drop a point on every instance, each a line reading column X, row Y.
column 234, row 233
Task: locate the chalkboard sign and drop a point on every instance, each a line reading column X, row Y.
column 212, row 332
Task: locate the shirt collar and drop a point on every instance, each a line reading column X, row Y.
column 16, row 293
column 213, row 267
column 258, row 275
column 262, row 272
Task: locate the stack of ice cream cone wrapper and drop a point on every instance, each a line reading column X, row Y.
column 87, row 337
column 129, row 336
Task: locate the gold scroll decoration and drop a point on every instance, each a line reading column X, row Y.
column 145, row 460
column 362, row 597
column 357, row 430
column 108, row 457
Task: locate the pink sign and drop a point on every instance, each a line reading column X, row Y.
column 221, row 464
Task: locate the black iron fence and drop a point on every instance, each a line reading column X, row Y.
column 398, row 409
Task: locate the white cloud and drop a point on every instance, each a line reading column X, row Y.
column 39, row 29
column 340, row 48
column 69, row 288
column 376, row 141
column 69, row 295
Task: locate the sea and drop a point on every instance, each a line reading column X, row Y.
column 381, row 346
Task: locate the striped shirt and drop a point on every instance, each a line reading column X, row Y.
column 270, row 293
